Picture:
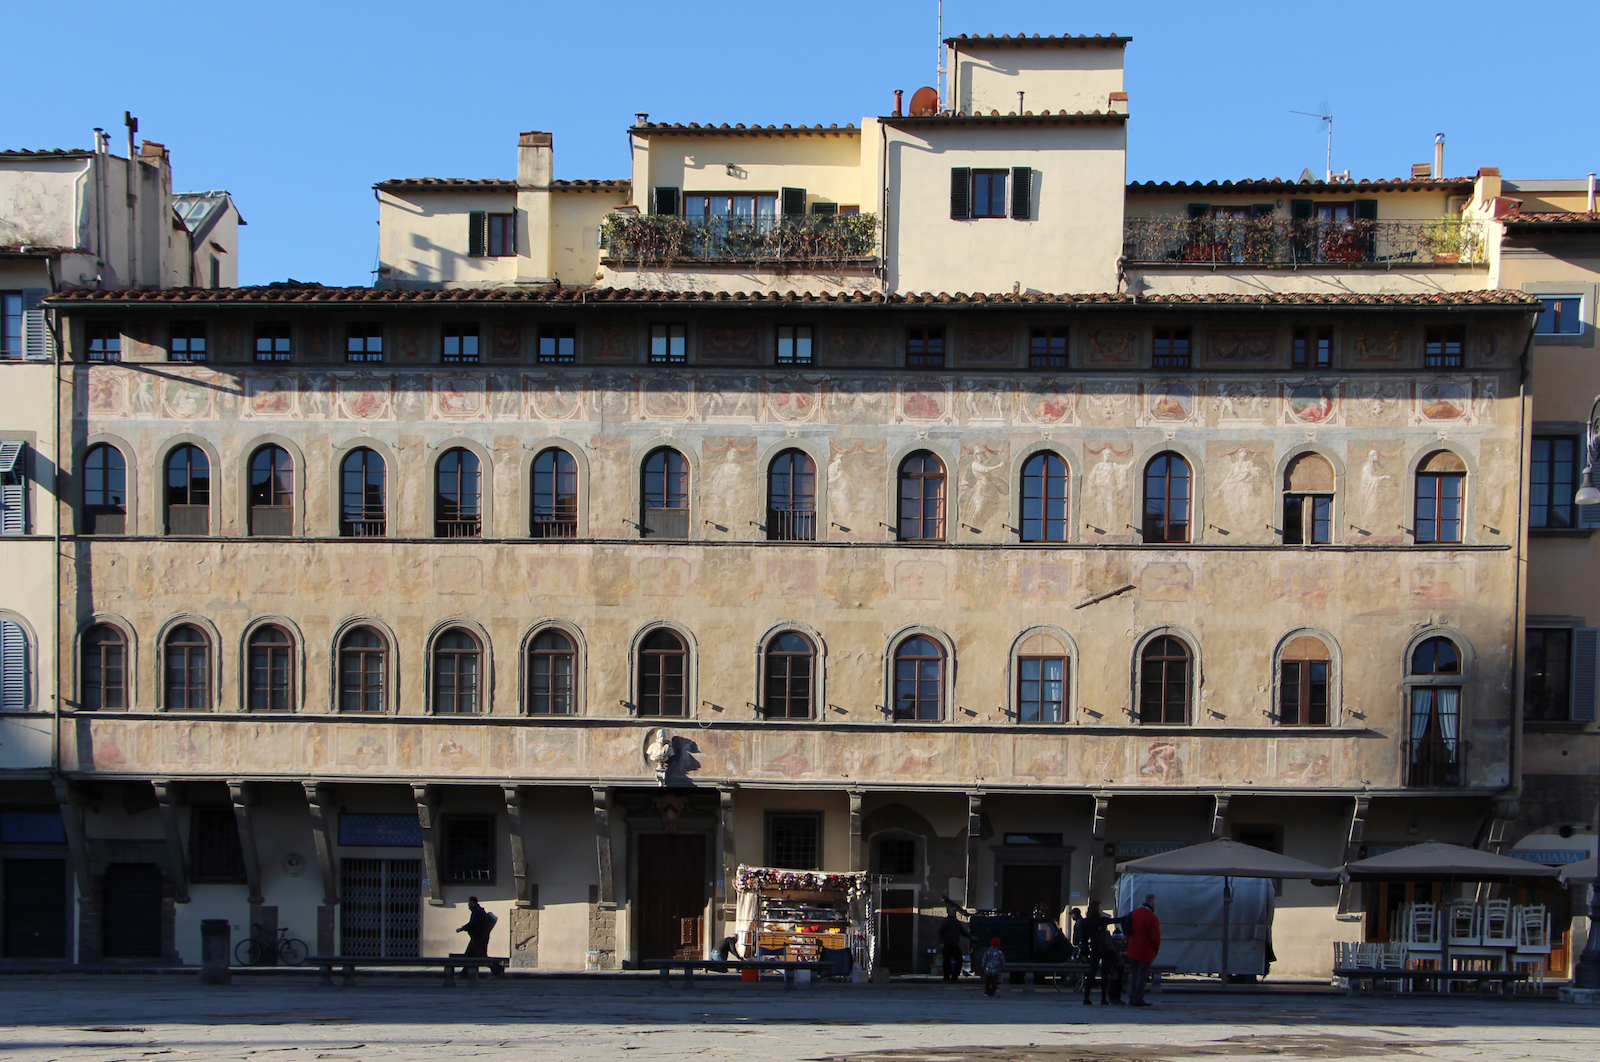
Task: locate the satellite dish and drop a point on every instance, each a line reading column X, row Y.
column 924, row 101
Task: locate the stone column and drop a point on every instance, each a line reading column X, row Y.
column 319, row 798
column 974, row 836
column 167, row 798
column 427, row 798
column 603, row 905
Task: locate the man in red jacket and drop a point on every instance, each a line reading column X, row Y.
column 1144, row 942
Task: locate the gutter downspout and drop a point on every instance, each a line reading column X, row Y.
column 55, row 538
column 883, row 206
column 133, row 199
column 1520, row 603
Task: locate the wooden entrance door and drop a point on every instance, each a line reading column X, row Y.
column 35, row 903
column 896, row 930
column 131, row 912
column 1026, row 887
column 672, row 887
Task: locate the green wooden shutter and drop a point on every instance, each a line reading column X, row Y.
column 511, row 233
column 13, row 667
column 666, row 200
column 477, row 233
column 794, row 202
column 1261, row 210
column 1199, row 210
column 1302, row 229
column 37, row 342
column 1021, row 193
column 825, row 209
column 1585, row 680
column 960, row 193
column 1301, row 209
column 1366, row 210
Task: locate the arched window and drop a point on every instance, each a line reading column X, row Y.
column 663, row 675
column 1044, row 499
column 1303, row 682
column 1441, row 498
column 1165, row 676
column 792, row 498
column 188, row 491
column 105, row 491
column 188, row 670
column 362, row 512
column 105, row 669
column 922, row 497
column 665, row 497
column 791, row 671
column 271, row 492
column 363, row 671
column 458, row 496
column 555, row 495
column 1042, row 680
column 919, row 679
column 552, row 666
column 1434, row 755
column 457, row 667
column 1308, row 501
column 270, row 674
column 1166, row 499
column 13, row 667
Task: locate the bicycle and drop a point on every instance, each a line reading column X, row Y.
column 256, row 950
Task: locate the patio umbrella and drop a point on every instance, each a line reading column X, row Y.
column 1582, row 872
column 1227, row 860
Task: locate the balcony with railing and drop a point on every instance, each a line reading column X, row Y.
column 1432, row 763
column 1215, row 242
column 791, row 525
column 813, row 241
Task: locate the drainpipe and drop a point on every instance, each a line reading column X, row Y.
column 133, row 198
column 1519, row 603
column 55, row 537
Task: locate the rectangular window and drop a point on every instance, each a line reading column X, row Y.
column 502, row 235
column 10, row 326
column 794, row 345
column 794, row 840
column 186, row 341
column 459, row 343
column 558, row 344
column 1439, row 497
column 1041, row 689
column 1303, row 693
column 924, row 348
column 468, row 850
column 1445, row 348
column 1561, row 315
column 1171, row 349
column 1547, row 678
column 1047, row 348
column 897, row 856
column 669, row 344
column 988, row 193
column 272, row 343
column 1313, row 348
column 1552, row 481
column 364, row 342
column 104, row 340
column 1307, row 519
column 215, row 855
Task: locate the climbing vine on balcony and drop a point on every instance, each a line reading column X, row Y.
column 666, row 239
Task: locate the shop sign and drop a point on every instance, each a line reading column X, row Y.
column 1140, row 849
column 1555, row 857
column 32, row 827
column 366, row 830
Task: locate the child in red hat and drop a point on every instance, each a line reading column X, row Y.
column 993, row 963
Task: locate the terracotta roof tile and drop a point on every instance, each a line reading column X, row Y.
column 1021, row 40
column 1277, row 184
column 491, row 184
column 1009, row 118
column 1554, row 217
column 46, row 153
column 740, row 129
column 314, row 293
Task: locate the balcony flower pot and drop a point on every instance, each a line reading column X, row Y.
column 1447, row 258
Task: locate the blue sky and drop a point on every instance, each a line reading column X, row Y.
column 298, row 108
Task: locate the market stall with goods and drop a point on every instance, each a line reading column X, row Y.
column 805, row 916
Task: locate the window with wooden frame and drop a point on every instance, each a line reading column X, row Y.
column 1547, row 674
column 215, row 855
column 555, row 495
column 1167, row 491
column 273, row 342
column 103, row 340
column 1445, row 347
column 491, row 235
column 457, row 673
column 105, row 669
column 1171, row 348
column 1313, row 348
column 458, row 343
column 558, row 343
column 458, row 495
column 187, row 491
column 105, row 491
column 669, row 344
column 897, row 856
column 467, row 849
column 270, row 670
column 794, row 840
column 790, row 664
column 1308, row 501
column 663, row 675
column 924, row 348
column 792, row 498
column 363, row 342
column 11, row 344
column 1044, row 498
column 363, row 511
column 664, row 498
column 919, row 676
column 1435, row 752
column 989, row 193
column 1047, row 348
column 922, row 498
column 187, row 678
column 794, row 345
column 363, row 671
column 1552, row 481
column 552, row 670
column 1559, row 315
column 1441, row 498
column 1042, row 665
column 186, row 341
column 1304, row 672
column 1165, row 680
column 271, row 492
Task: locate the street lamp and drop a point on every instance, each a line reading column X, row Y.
column 1587, row 973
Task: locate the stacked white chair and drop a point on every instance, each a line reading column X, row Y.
column 1531, row 929
column 1464, row 923
column 1394, row 957
column 1422, row 933
column 1498, row 928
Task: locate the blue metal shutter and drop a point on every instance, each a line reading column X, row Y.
column 1588, row 517
column 13, row 667
column 1585, row 660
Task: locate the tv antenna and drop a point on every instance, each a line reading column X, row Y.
column 1326, row 116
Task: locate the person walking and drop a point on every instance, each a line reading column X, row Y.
column 1094, row 943
column 1144, row 943
column 951, row 930
column 479, row 925
column 994, row 964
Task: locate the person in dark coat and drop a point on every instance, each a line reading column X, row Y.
column 478, row 927
column 951, row 930
column 1094, row 943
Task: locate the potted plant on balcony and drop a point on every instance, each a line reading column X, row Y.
column 1449, row 242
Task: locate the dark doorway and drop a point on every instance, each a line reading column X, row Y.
column 35, row 909
column 672, row 888
column 897, row 920
column 1026, row 887
column 381, row 912
column 131, row 928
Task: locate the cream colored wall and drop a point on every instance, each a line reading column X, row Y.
column 44, row 202
column 1072, row 78
column 1072, row 242
column 827, row 166
column 422, row 238
column 1242, row 280
column 701, row 277
column 575, row 236
column 1392, row 206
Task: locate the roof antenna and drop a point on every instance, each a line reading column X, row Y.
column 1325, row 116
column 939, row 69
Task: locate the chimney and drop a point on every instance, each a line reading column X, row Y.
column 1421, row 171
column 1590, row 207
column 152, row 149
column 1118, row 103
column 534, row 166
column 641, row 118
column 1438, row 156
column 898, row 93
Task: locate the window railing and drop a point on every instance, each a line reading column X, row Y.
column 273, row 521
column 1435, row 762
column 555, row 528
column 1275, row 240
column 363, row 527
column 791, row 525
column 104, row 520
column 468, row 527
column 659, row 239
column 666, row 523
column 188, row 520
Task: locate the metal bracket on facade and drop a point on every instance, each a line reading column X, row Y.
column 519, row 858
column 319, row 798
column 166, row 797
column 427, row 798
column 239, row 792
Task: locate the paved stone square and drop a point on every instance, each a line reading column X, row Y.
column 86, row 1018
